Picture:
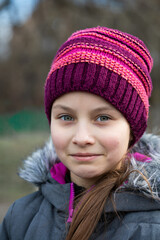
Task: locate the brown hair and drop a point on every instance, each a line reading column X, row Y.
column 91, row 205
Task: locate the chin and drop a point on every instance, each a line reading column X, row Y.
column 88, row 174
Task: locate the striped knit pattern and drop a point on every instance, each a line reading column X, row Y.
column 108, row 63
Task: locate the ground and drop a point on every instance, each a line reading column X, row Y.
column 14, row 149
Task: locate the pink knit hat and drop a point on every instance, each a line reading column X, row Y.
column 108, row 63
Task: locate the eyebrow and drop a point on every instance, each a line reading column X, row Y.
column 63, row 107
column 109, row 108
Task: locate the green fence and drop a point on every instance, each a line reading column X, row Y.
column 26, row 120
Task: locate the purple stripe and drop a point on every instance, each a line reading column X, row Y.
column 115, row 49
column 118, row 34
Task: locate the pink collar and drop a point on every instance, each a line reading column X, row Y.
column 58, row 172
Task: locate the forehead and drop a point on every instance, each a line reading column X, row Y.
column 74, row 98
column 83, row 101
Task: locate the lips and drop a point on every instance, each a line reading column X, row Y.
column 85, row 156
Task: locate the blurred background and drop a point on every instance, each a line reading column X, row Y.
column 31, row 31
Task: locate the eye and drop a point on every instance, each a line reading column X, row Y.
column 66, row 118
column 103, row 118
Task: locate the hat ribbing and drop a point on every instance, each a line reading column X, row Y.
column 108, row 63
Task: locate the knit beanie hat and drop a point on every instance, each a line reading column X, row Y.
column 109, row 63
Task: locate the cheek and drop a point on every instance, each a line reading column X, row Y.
column 115, row 146
column 58, row 138
column 117, row 137
column 110, row 142
column 58, row 142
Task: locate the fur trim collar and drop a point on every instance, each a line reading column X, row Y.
column 37, row 166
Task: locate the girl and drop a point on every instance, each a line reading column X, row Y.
column 98, row 177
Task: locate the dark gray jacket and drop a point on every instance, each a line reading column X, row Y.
column 43, row 215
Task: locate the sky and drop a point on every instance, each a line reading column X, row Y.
column 18, row 12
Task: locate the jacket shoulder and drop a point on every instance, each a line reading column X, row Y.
column 142, row 225
column 143, row 217
column 21, row 211
column 31, row 201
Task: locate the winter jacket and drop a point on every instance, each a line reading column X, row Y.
column 47, row 213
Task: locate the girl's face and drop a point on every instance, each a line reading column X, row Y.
column 90, row 136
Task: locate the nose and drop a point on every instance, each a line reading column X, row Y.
column 83, row 136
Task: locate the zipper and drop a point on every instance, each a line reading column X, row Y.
column 71, row 201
